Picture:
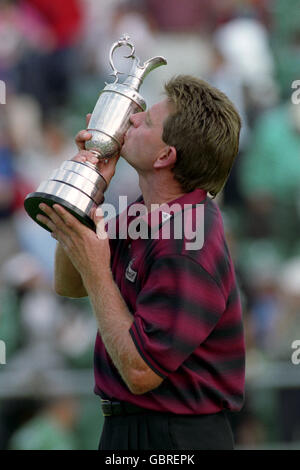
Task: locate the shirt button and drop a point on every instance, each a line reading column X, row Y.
column 129, row 246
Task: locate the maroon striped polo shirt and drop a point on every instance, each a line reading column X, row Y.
column 185, row 302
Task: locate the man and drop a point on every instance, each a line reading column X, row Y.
column 169, row 354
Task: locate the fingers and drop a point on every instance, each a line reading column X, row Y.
column 85, row 156
column 58, row 219
column 52, row 220
column 108, row 169
column 83, row 135
column 98, row 217
column 107, row 162
column 81, row 139
column 88, row 118
column 48, row 222
column 68, row 219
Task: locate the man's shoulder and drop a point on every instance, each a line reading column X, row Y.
column 196, row 229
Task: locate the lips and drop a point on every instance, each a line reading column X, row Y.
column 126, row 135
column 124, row 140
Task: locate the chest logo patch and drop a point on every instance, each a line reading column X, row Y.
column 130, row 274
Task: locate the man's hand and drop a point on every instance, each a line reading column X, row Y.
column 106, row 167
column 90, row 254
column 88, row 251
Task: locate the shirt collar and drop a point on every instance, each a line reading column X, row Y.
column 167, row 210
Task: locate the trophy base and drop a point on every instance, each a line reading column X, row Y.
column 78, row 187
column 33, row 200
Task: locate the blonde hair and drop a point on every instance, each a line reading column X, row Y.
column 204, row 129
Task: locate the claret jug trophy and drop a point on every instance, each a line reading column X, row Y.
column 79, row 187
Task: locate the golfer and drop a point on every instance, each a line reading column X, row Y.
column 169, row 353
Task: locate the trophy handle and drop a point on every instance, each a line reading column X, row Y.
column 123, row 41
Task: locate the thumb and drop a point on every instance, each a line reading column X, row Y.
column 88, row 118
column 100, row 224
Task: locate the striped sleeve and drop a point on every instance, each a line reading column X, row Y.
column 176, row 310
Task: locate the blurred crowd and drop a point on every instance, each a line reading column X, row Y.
column 54, row 61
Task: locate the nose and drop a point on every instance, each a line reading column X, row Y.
column 135, row 119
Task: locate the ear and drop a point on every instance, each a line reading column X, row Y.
column 166, row 158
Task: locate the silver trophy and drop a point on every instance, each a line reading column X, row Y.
column 79, row 187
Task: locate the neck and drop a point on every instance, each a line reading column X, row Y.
column 159, row 191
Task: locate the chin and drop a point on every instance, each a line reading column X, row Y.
column 129, row 160
column 123, row 154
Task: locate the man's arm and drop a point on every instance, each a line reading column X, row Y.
column 89, row 254
column 114, row 322
column 67, row 280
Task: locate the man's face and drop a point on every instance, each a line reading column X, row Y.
column 143, row 141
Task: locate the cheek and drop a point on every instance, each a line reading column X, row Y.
column 139, row 143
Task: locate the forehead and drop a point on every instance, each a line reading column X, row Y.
column 160, row 111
